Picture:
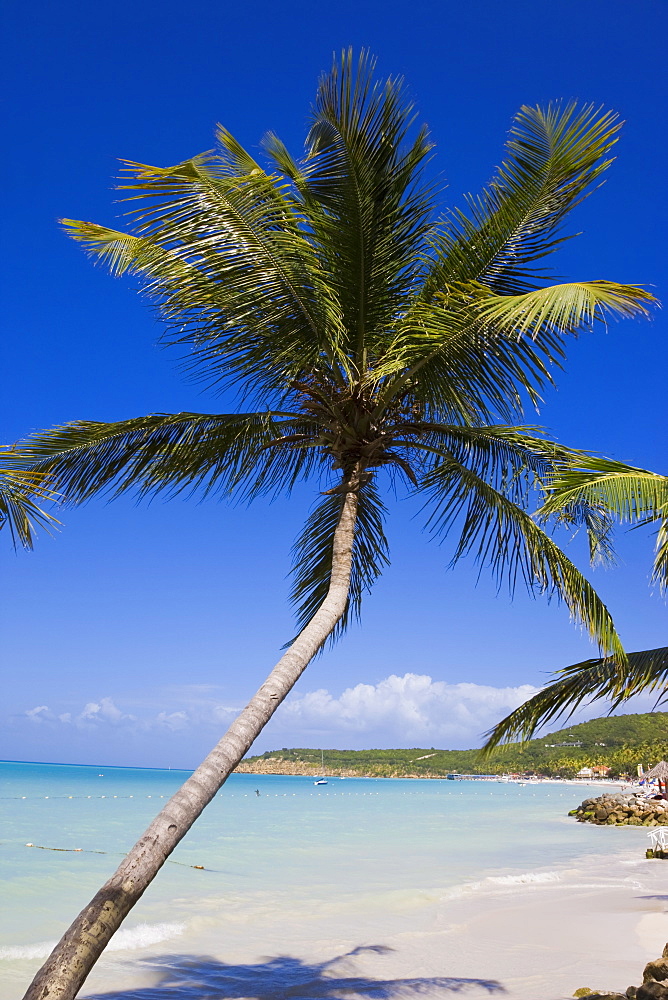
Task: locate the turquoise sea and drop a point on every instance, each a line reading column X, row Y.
column 306, row 891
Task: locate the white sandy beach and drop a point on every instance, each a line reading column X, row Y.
column 537, row 936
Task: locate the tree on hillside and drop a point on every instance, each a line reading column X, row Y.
column 372, row 343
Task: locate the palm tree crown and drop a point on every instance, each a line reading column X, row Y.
column 367, row 334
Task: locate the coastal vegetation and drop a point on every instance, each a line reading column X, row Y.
column 379, row 347
column 620, row 742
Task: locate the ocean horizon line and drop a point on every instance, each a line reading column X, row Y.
column 119, row 767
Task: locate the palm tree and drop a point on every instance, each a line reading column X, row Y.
column 369, row 340
column 602, row 491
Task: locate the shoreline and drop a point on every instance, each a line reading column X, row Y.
column 305, row 771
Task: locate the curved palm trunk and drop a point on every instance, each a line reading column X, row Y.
column 74, row 956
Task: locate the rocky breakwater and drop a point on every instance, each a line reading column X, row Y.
column 622, row 809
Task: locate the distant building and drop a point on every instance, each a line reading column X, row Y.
column 601, row 770
column 585, row 772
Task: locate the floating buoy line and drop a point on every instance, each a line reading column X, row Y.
column 183, row 864
column 121, row 854
column 249, row 795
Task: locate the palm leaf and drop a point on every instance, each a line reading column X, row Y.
column 505, row 539
column 516, row 459
column 373, row 212
column 229, row 264
column 20, row 489
column 561, row 309
column 312, row 554
column 630, row 494
column 591, row 680
column 207, row 453
column 554, row 158
column 454, row 362
column 490, row 349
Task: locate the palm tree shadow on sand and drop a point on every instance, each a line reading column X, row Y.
column 186, row 977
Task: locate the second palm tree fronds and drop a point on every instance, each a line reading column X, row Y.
column 371, row 343
column 22, row 489
column 615, row 491
column 581, row 683
column 596, row 495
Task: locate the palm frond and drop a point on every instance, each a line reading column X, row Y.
column 229, row 264
column 451, row 360
column 495, row 348
column 562, row 309
column 517, row 459
column 523, row 464
column 362, row 189
column 554, row 158
column 588, row 681
column 193, row 452
column 20, row 490
column 504, row 538
column 621, row 491
column 312, row 554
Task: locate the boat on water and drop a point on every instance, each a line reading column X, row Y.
column 323, row 779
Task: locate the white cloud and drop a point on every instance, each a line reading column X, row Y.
column 399, row 711
column 408, row 710
column 173, row 720
column 103, row 710
column 413, row 709
column 39, row 713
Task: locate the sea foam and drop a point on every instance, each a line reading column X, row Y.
column 130, row 939
column 524, row 878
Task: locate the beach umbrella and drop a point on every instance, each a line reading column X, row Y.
column 659, row 771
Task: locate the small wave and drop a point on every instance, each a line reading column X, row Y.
column 141, row 936
column 526, row 878
column 493, row 882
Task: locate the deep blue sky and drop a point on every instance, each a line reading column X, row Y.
column 162, row 618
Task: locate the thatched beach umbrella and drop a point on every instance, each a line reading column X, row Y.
column 659, row 771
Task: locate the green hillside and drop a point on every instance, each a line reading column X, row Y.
column 621, row 742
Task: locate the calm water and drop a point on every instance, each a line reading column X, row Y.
column 299, row 874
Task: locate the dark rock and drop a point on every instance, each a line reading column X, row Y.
column 665, row 952
column 632, row 992
column 652, row 991
column 656, row 970
column 621, row 810
column 605, row 996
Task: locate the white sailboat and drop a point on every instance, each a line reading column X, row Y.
column 323, row 779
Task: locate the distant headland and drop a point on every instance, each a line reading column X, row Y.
column 613, row 746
